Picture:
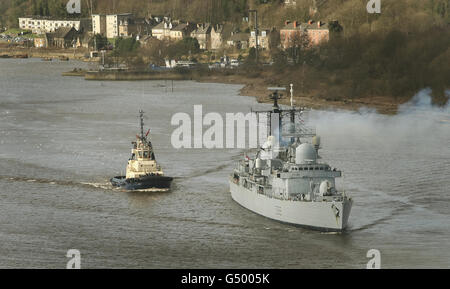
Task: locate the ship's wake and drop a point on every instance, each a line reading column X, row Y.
column 211, row 170
column 98, row 185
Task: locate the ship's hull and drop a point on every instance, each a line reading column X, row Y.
column 142, row 183
column 314, row 215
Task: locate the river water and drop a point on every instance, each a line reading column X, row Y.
column 61, row 139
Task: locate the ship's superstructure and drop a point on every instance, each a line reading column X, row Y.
column 143, row 172
column 285, row 180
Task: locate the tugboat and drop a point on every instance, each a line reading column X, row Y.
column 143, row 172
column 285, row 181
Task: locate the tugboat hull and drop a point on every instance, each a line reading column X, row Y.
column 142, row 183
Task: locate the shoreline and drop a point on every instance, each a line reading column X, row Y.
column 33, row 52
column 253, row 87
column 258, row 88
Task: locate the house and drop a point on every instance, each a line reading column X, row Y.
column 127, row 27
column 85, row 40
column 162, row 30
column 291, row 33
column 64, row 37
column 294, row 32
column 290, row 2
column 263, row 39
column 180, row 31
column 238, row 40
column 318, row 32
column 114, row 21
column 216, row 36
column 203, row 35
column 40, row 42
column 144, row 26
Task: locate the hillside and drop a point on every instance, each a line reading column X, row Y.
column 391, row 55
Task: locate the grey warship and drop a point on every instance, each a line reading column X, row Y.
column 143, row 172
column 285, row 181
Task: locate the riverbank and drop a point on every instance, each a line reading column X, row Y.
column 135, row 75
column 258, row 88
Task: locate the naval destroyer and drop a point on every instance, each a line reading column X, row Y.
column 143, row 172
column 285, row 180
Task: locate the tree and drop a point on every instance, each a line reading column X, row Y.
column 187, row 46
column 99, row 42
column 251, row 58
column 125, row 46
column 299, row 44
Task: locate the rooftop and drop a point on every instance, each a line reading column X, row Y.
column 62, row 32
column 38, row 17
column 295, row 25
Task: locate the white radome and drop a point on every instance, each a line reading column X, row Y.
column 305, row 153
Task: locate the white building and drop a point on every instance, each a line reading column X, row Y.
column 113, row 21
column 99, row 24
column 40, row 25
column 162, row 30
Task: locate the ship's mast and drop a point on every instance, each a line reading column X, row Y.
column 296, row 131
column 292, row 130
column 141, row 116
column 275, row 96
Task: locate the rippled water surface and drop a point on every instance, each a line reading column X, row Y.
column 61, row 139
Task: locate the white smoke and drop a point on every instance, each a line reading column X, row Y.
column 418, row 127
column 418, row 116
column 422, row 101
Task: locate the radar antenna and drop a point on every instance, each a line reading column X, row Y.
column 275, row 96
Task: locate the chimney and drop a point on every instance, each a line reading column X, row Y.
column 318, row 24
column 295, row 24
